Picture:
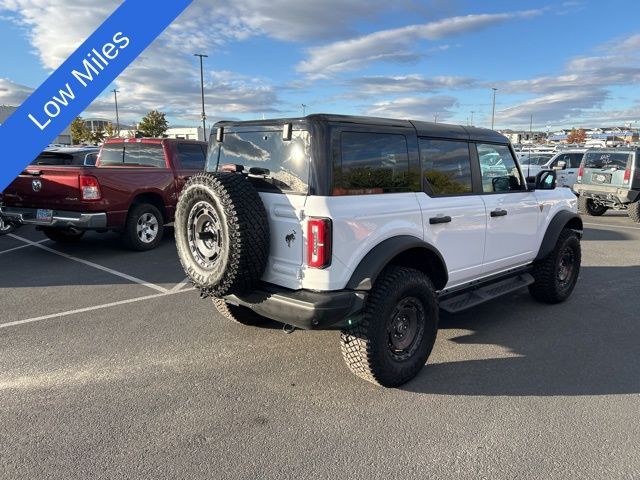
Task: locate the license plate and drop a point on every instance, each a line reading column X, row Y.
column 601, row 178
column 44, row 215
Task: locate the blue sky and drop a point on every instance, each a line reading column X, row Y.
column 568, row 63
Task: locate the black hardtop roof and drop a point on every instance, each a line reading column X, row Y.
column 425, row 129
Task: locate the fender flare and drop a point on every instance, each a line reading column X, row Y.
column 558, row 223
column 366, row 273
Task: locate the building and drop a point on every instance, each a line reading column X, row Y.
column 64, row 138
column 524, row 137
column 182, row 133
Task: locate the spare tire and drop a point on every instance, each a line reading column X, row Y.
column 222, row 233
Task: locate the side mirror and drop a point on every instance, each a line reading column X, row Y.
column 561, row 165
column 545, row 180
column 90, row 159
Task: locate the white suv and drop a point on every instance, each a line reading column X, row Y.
column 371, row 226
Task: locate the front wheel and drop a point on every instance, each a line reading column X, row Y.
column 392, row 341
column 62, row 235
column 591, row 208
column 634, row 211
column 556, row 275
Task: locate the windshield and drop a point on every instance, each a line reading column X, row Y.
column 538, row 160
column 607, row 159
column 273, row 164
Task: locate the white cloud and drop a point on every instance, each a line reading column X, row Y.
column 12, row 93
column 415, row 108
column 396, row 44
column 385, row 85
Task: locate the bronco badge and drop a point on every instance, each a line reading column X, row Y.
column 290, row 238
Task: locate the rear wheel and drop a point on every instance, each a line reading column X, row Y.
column 634, row 211
column 5, row 227
column 238, row 314
column 144, row 228
column 556, row 275
column 393, row 340
column 62, row 235
column 591, row 208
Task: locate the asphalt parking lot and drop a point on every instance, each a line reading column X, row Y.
column 111, row 366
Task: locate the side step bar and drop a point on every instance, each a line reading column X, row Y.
column 458, row 302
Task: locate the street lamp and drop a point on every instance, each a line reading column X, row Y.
column 493, row 112
column 204, row 116
column 304, row 109
column 472, row 112
column 115, row 96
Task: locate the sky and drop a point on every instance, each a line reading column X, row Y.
column 568, row 64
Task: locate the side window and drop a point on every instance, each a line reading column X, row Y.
column 372, row 163
column 576, row 159
column 446, row 166
column 191, row 156
column 562, row 158
column 111, row 154
column 144, row 155
column 499, row 170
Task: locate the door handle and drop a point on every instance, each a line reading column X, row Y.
column 436, row 220
column 499, row 213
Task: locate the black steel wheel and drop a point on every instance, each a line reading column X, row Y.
column 591, row 208
column 394, row 338
column 556, row 275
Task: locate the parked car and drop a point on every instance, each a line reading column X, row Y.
column 566, row 163
column 609, row 178
column 131, row 186
column 371, row 226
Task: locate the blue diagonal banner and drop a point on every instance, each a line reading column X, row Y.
column 80, row 79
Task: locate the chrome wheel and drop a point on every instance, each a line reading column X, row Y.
column 204, row 235
column 5, row 227
column 147, row 227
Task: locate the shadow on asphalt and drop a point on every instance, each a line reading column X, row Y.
column 598, row 235
column 588, row 345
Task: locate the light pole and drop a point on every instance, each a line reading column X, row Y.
column 115, row 96
column 204, row 115
column 304, row 109
column 493, row 111
column 472, row 112
column 435, row 118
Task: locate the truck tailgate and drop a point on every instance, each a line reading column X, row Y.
column 48, row 187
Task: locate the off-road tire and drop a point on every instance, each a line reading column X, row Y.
column 237, row 314
column 367, row 347
column 589, row 207
column 239, row 233
column 550, row 285
column 62, row 235
column 634, row 211
column 130, row 238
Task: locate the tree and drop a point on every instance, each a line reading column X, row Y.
column 97, row 136
column 154, row 124
column 577, row 136
column 109, row 132
column 79, row 131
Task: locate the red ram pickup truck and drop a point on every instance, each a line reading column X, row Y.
column 132, row 189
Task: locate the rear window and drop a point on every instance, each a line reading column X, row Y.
column 133, row 154
column 272, row 164
column 60, row 159
column 607, row 159
column 372, row 163
column 446, row 165
column 192, row 156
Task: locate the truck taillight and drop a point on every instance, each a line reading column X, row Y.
column 627, row 175
column 319, row 242
column 89, row 188
column 580, row 172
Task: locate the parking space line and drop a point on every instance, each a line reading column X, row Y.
column 22, row 246
column 180, row 285
column 91, row 309
column 93, row 265
column 612, row 226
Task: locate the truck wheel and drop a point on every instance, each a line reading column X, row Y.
column 222, row 233
column 237, row 314
column 394, row 338
column 5, row 227
column 144, row 228
column 62, row 235
column 591, row 208
column 634, row 211
column 556, row 275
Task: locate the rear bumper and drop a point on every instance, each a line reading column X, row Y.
column 606, row 193
column 61, row 218
column 303, row 308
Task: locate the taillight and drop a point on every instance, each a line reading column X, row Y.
column 319, row 242
column 627, row 175
column 580, row 172
column 89, row 188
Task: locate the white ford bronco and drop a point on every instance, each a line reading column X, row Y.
column 371, row 226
